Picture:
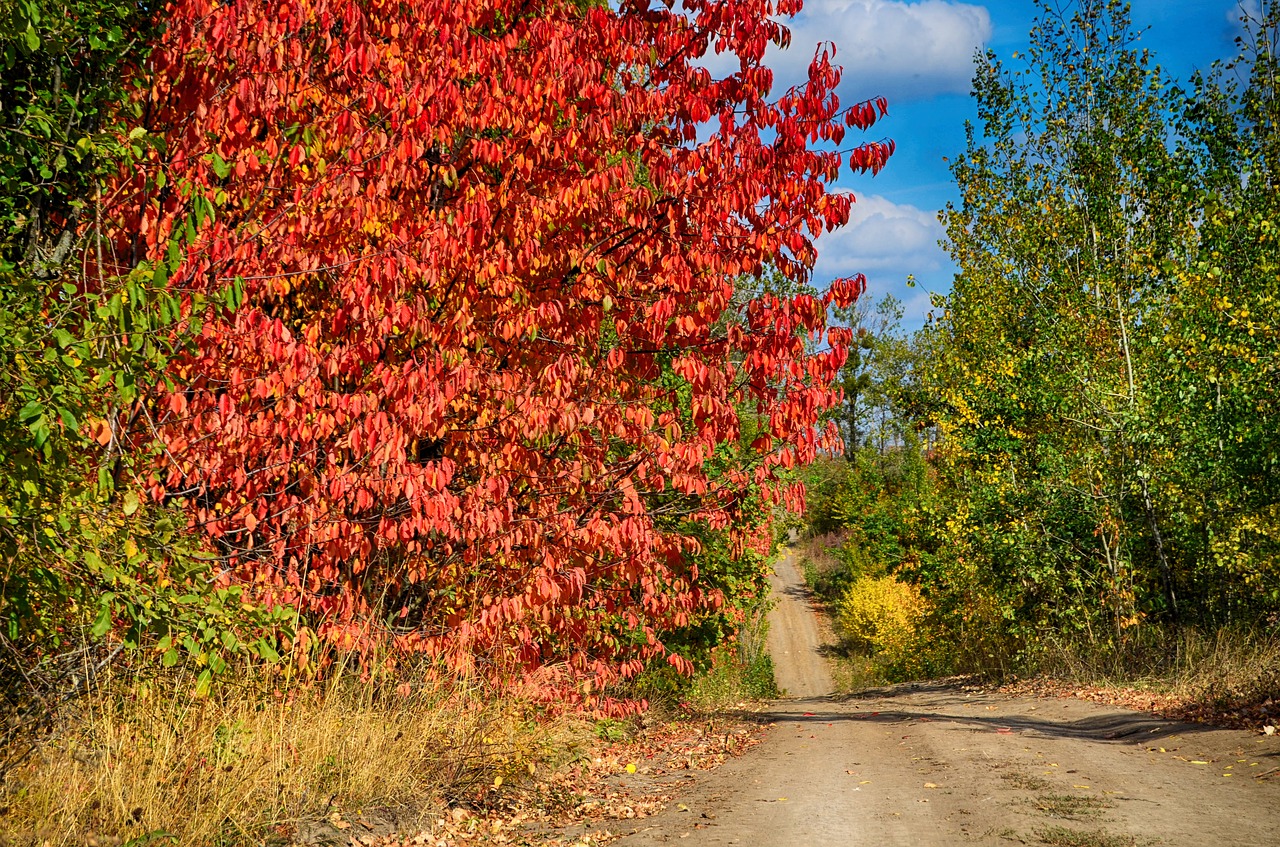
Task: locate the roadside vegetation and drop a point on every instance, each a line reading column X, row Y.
column 1072, row 469
column 140, row 759
column 385, row 423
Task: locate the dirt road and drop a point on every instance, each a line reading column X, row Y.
column 794, row 636
column 932, row 765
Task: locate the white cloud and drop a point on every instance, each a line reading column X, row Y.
column 881, row 236
column 899, row 50
column 886, row 241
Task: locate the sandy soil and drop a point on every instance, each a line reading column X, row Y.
column 939, row 764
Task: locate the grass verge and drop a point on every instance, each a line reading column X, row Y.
column 1071, row 806
column 148, row 762
column 1228, row 677
column 252, row 765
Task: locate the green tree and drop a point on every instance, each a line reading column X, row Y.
column 1069, row 213
column 875, row 375
column 1216, row 407
column 89, row 565
column 60, row 85
column 1102, row 374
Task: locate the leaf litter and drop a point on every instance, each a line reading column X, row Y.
column 589, row 801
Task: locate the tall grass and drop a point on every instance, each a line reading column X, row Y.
column 1221, row 668
column 250, row 764
column 740, row 674
column 737, row 673
column 1203, row 672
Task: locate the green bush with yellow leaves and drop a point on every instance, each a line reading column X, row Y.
column 885, row 617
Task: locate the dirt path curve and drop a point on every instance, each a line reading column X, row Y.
column 933, row 765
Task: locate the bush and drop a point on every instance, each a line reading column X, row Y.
column 885, row 616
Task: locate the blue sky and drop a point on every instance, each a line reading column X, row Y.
column 920, row 56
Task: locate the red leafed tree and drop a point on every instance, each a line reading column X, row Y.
column 488, row 253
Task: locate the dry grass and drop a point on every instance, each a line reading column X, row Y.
column 854, row 670
column 1025, row 782
column 250, row 765
column 1223, row 670
column 1058, row 836
column 819, row 562
column 1071, row 806
column 1226, row 665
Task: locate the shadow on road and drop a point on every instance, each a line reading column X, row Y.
column 945, row 703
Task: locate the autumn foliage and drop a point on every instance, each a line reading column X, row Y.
column 489, row 334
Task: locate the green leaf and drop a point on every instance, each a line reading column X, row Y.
column 131, row 502
column 266, row 651
column 40, row 430
column 220, row 168
column 33, row 40
column 103, row 622
column 69, row 419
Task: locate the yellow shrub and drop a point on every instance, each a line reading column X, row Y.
column 882, row 614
